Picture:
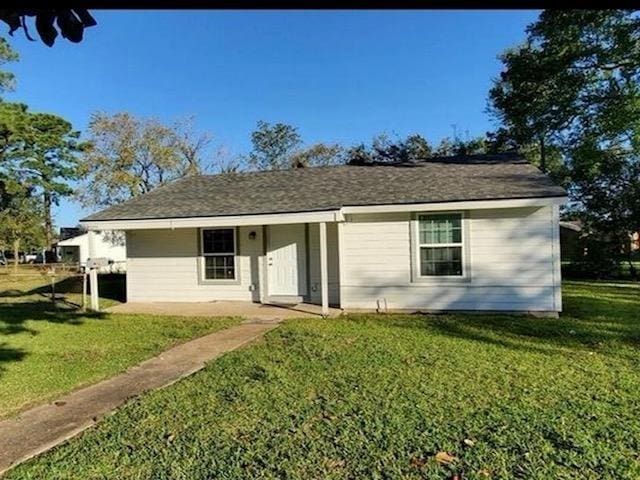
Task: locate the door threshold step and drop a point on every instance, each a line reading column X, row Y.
column 285, row 299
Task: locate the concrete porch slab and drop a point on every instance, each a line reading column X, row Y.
column 225, row 309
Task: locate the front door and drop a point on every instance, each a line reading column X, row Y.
column 286, row 260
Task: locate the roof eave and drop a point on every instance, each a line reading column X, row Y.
column 335, row 215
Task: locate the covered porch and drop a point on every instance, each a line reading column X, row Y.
column 287, row 262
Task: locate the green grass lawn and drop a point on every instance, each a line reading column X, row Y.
column 47, row 349
column 382, row 396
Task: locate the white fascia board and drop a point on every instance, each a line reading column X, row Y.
column 227, row 221
column 314, row 217
column 463, row 205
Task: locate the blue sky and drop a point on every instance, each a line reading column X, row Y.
column 340, row 76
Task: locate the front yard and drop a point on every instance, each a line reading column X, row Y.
column 475, row 397
column 47, row 350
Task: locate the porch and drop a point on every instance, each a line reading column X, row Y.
column 234, row 268
column 224, row 308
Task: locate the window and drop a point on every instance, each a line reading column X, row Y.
column 219, row 252
column 440, row 245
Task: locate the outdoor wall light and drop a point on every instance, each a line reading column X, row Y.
column 252, row 235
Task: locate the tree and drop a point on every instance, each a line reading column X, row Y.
column 7, row 54
column 20, row 222
column 127, row 156
column 384, row 150
column 445, row 148
column 191, row 146
column 279, row 147
column 273, row 146
column 417, row 147
column 606, row 180
column 317, row 155
column 20, row 217
column 70, row 22
column 49, row 162
column 38, row 153
column 571, row 93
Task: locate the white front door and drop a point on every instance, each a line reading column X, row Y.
column 286, row 260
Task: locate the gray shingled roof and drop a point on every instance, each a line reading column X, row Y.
column 480, row 177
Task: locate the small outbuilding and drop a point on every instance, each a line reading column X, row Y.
column 107, row 244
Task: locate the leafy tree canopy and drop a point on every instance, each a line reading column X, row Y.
column 128, row 156
column 317, row 155
column 279, row 146
column 21, row 224
column 570, row 95
column 273, row 146
column 575, row 76
column 414, row 148
column 7, row 55
column 37, row 157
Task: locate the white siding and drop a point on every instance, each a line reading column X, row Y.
column 332, row 263
column 107, row 244
column 162, row 265
column 512, row 263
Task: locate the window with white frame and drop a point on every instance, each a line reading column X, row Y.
column 219, row 252
column 440, row 245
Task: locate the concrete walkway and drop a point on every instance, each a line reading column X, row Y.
column 41, row 428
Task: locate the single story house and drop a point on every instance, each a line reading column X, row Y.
column 466, row 233
column 106, row 244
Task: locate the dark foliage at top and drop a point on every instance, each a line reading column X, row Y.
column 70, row 22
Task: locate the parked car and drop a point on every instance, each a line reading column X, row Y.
column 3, row 259
column 30, row 257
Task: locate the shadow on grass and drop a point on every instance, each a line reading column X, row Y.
column 112, row 286
column 16, row 317
column 10, row 354
column 596, row 318
column 20, row 310
column 13, row 316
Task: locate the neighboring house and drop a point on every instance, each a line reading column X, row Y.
column 70, row 232
column 457, row 233
column 572, row 248
column 107, row 244
column 573, row 241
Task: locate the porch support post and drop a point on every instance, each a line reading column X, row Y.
column 93, row 273
column 262, row 267
column 324, row 277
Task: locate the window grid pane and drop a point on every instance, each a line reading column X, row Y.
column 218, row 241
column 441, row 261
column 218, row 249
column 219, row 267
column 434, row 229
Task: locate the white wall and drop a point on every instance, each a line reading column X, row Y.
column 107, row 244
column 162, row 266
column 513, row 264
column 513, row 259
column 332, row 263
